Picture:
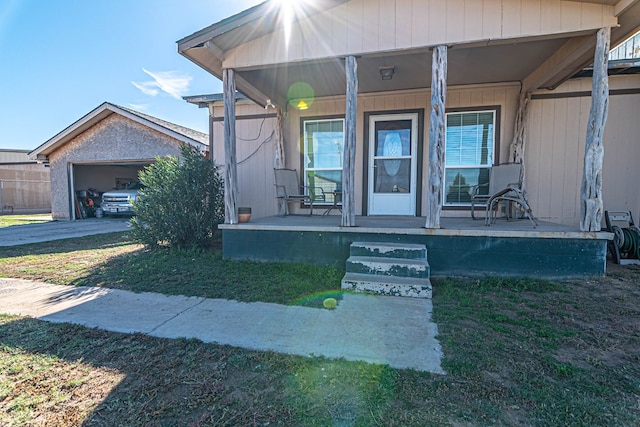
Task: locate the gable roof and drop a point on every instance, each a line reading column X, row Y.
column 504, row 44
column 106, row 109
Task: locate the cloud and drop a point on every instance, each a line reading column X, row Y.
column 138, row 107
column 148, row 88
column 169, row 82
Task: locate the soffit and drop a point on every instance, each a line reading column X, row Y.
column 466, row 65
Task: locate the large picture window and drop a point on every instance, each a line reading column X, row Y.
column 323, row 148
column 469, row 150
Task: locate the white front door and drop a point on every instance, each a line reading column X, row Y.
column 392, row 164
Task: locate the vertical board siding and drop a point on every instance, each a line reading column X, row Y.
column 503, row 95
column 403, row 24
column 511, row 18
column 454, row 21
column 255, row 174
column 531, row 17
column 363, row 26
column 555, row 152
column 354, row 20
column 556, row 162
column 473, row 26
column 550, row 18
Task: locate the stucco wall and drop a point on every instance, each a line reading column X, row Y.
column 114, row 139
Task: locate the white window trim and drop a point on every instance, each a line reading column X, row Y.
column 305, row 169
column 490, row 161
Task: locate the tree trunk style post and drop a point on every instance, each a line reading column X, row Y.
column 230, row 162
column 349, row 154
column 436, row 136
column 211, row 141
column 591, row 203
column 279, row 155
column 518, row 144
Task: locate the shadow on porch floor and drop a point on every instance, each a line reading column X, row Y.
column 408, row 223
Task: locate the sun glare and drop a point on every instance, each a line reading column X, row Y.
column 288, row 10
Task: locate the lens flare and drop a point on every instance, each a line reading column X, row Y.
column 301, row 95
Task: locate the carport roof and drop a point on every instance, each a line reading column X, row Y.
column 106, row 109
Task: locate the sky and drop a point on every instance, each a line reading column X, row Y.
column 60, row 59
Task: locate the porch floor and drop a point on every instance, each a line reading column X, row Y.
column 415, row 225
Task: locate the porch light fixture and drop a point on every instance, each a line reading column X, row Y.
column 386, row 72
column 302, row 105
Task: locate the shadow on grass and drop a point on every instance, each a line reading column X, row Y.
column 140, row 380
column 205, row 274
column 94, row 242
column 516, row 353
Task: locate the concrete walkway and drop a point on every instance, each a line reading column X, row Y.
column 387, row 330
column 54, row 230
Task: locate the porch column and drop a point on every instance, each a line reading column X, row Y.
column 230, row 162
column 591, row 204
column 279, row 155
column 436, row 136
column 349, row 155
column 518, row 144
column 211, row 156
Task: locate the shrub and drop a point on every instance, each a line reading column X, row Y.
column 182, row 202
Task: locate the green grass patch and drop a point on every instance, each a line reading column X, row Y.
column 114, row 261
column 516, row 351
column 10, row 220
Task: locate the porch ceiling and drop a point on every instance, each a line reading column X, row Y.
column 466, row 65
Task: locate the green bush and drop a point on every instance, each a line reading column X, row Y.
column 182, row 202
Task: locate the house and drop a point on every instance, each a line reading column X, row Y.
column 24, row 184
column 105, row 150
column 404, row 105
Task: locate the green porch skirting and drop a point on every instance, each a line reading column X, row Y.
column 549, row 255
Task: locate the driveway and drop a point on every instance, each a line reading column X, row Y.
column 55, row 230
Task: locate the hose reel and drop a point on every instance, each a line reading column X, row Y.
column 625, row 246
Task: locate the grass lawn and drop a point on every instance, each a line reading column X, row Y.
column 9, row 220
column 517, row 352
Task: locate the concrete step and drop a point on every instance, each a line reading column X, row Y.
column 389, row 250
column 380, row 266
column 388, row 285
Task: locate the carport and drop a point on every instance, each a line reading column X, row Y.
column 105, row 150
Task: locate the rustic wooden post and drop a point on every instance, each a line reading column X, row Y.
column 211, row 156
column 436, row 136
column 591, row 204
column 230, row 162
column 517, row 147
column 349, row 154
column 518, row 144
column 279, row 155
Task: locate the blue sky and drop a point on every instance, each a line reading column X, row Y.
column 61, row 59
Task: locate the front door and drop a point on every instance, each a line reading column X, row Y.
column 392, row 164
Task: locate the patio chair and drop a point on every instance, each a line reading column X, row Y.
column 504, row 186
column 289, row 190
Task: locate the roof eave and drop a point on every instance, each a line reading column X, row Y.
column 245, row 17
column 95, row 116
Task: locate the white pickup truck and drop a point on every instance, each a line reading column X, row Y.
column 120, row 201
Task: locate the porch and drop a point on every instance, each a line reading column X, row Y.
column 461, row 247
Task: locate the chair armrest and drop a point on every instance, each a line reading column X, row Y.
column 314, row 195
column 476, row 188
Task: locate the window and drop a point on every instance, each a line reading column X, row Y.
column 323, row 147
column 469, row 147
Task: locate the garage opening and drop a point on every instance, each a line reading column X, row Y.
column 89, row 181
